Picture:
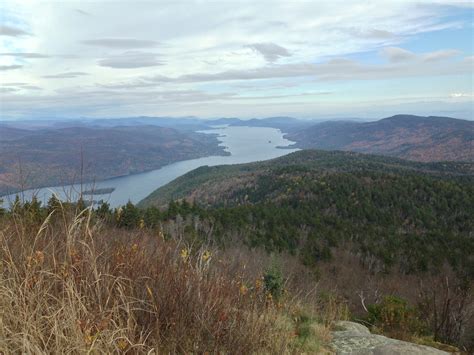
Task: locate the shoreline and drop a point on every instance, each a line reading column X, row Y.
column 136, row 185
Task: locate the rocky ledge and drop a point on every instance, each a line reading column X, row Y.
column 355, row 339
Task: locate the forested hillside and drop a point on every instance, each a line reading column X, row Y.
column 404, row 136
column 222, row 178
column 60, row 156
column 394, row 213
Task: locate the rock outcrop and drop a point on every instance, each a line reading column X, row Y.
column 355, row 339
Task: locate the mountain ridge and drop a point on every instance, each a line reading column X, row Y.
column 419, row 138
column 325, row 162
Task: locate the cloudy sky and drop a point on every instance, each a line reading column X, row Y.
column 313, row 59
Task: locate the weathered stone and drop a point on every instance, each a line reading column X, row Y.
column 356, row 339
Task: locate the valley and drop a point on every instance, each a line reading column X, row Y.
column 36, row 158
column 221, row 177
column 238, row 144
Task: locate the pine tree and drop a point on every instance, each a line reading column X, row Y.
column 104, row 211
column 2, row 210
column 130, row 216
column 17, row 206
column 53, row 204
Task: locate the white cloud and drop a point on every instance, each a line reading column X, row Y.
column 129, row 43
column 398, row 55
column 441, row 55
column 107, row 49
column 10, row 67
column 131, row 60
column 395, row 54
column 68, row 75
column 25, row 55
column 461, row 94
column 270, row 51
column 334, row 69
column 372, row 33
column 6, row 30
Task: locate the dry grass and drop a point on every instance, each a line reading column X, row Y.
column 69, row 285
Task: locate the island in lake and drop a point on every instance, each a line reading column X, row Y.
column 102, row 191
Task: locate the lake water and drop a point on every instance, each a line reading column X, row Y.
column 245, row 144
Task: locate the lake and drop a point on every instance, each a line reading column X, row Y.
column 245, row 144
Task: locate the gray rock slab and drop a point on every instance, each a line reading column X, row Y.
column 356, row 339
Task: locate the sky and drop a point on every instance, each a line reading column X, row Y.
column 307, row 59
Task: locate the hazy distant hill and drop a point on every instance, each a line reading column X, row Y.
column 286, row 124
column 45, row 157
column 12, row 133
column 181, row 123
column 405, row 136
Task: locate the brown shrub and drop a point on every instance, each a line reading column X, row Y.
column 71, row 286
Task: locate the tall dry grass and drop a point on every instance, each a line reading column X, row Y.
column 71, row 285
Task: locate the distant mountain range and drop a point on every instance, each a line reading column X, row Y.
column 405, row 136
column 48, row 152
column 286, row 124
column 57, row 156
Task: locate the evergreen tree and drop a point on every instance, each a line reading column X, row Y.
column 130, row 216
column 104, row 211
column 53, row 204
column 17, row 206
column 2, row 209
column 81, row 204
column 152, row 217
column 35, row 210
